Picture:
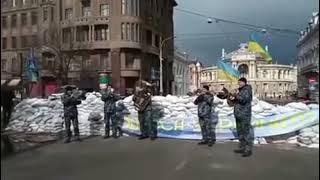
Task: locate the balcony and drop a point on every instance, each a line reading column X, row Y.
column 85, row 21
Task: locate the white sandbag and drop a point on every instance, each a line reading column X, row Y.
column 265, row 106
column 313, row 146
column 298, row 106
column 313, row 106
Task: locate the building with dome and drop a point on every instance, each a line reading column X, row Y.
column 269, row 81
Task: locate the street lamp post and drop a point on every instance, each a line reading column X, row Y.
column 162, row 43
column 198, row 65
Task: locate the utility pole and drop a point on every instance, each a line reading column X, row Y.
column 21, row 74
column 162, row 43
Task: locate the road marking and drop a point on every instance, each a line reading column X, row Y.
column 181, row 165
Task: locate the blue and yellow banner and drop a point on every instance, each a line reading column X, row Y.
column 254, row 46
column 227, row 72
column 189, row 128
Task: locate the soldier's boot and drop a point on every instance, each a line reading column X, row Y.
column 211, row 143
column 143, row 137
column 120, row 131
column 107, row 134
column 114, row 133
column 77, row 138
column 247, row 153
column 77, row 134
column 68, row 139
column 239, row 151
column 203, row 142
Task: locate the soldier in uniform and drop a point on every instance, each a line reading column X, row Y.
column 70, row 103
column 205, row 106
column 110, row 98
column 242, row 112
column 120, row 112
column 148, row 127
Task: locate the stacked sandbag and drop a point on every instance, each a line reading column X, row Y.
column 46, row 115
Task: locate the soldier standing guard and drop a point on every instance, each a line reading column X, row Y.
column 70, row 102
column 142, row 101
column 205, row 106
column 242, row 112
column 110, row 99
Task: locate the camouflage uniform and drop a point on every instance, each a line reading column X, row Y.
column 148, row 127
column 242, row 114
column 110, row 100
column 205, row 106
column 120, row 111
column 71, row 114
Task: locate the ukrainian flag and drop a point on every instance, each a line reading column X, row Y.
column 254, row 46
column 227, row 72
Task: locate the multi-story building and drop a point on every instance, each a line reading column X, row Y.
column 181, row 73
column 308, row 60
column 119, row 39
column 267, row 80
column 195, row 67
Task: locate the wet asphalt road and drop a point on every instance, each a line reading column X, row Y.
column 164, row 159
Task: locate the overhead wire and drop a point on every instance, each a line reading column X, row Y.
column 289, row 31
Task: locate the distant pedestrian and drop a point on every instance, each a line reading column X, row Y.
column 7, row 97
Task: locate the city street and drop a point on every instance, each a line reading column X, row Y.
column 164, row 159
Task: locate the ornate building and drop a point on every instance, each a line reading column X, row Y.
column 115, row 38
column 308, row 60
column 268, row 80
column 181, row 74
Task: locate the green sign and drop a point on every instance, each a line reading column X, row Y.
column 104, row 79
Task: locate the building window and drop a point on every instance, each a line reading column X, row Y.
column 45, row 36
column 34, row 40
column 34, row 18
column 128, row 32
column 128, row 9
column 133, row 7
column 24, row 19
column 14, row 4
column 86, row 10
column 105, row 10
column 149, row 37
column 132, row 33
column 14, row 65
column 68, row 13
column 123, row 31
column 3, row 65
column 24, row 41
column 123, row 6
column 102, row 32
column 4, row 43
column 34, row 1
column 52, row 13
column 45, row 14
column 13, row 42
column 14, row 21
column 67, row 35
column 82, row 33
column 105, row 61
column 4, row 3
column 4, row 22
column 157, row 41
column 137, row 32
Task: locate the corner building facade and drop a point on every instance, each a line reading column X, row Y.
column 115, row 38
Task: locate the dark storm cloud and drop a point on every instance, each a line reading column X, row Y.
column 288, row 14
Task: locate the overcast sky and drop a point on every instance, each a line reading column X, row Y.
column 288, row 14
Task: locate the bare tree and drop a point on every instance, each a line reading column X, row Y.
column 61, row 45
